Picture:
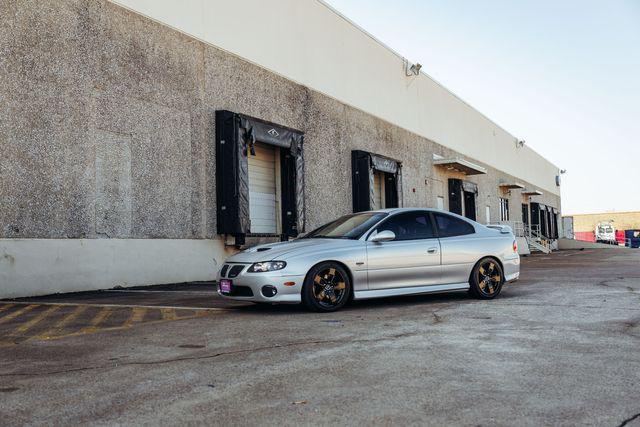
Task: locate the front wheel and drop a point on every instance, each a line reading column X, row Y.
column 486, row 279
column 326, row 287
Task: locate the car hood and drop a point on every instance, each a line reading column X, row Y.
column 278, row 251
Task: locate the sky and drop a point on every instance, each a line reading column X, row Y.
column 562, row 75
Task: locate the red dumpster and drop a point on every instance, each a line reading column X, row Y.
column 585, row 236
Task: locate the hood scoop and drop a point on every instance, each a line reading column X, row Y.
column 254, row 249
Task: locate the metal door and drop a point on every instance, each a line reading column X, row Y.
column 470, row 205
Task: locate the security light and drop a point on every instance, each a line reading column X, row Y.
column 411, row 69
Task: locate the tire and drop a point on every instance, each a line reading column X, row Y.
column 326, row 288
column 486, row 279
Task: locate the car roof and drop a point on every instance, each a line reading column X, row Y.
column 395, row 210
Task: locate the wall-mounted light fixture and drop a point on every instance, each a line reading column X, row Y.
column 411, row 69
column 520, row 143
column 558, row 179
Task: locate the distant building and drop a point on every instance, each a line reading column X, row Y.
column 584, row 225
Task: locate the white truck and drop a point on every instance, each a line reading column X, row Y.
column 605, row 233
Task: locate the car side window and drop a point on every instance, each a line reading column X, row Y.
column 449, row 226
column 409, row 226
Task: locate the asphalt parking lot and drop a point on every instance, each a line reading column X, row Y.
column 559, row 347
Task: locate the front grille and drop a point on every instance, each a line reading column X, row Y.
column 241, row 291
column 235, row 270
column 223, row 272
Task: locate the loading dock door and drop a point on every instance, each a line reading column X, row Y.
column 376, row 181
column 262, row 189
column 462, row 197
column 277, row 191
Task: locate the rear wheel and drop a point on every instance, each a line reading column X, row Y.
column 326, row 287
column 486, row 279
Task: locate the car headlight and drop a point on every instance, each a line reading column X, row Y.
column 261, row 267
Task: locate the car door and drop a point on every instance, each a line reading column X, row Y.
column 412, row 259
column 459, row 248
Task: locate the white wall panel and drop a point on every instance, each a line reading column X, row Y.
column 46, row 266
column 308, row 42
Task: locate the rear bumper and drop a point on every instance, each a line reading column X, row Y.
column 289, row 294
column 511, row 269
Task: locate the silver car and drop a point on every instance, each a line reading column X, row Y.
column 375, row 254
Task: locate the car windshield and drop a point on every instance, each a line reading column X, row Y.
column 347, row 227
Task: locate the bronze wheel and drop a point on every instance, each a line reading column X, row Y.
column 326, row 288
column 486, row 279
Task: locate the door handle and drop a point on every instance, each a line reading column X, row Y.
column 432, row 250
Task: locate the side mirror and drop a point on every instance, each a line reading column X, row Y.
column 383, row 236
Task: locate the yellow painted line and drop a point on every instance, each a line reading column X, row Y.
column 59, row 327
column 85, row 331
column 168, row 314
column 33, row 322
column 69, row 304
column 136, row 317
column 96, row 321
column 6, row 307
column 17, row 313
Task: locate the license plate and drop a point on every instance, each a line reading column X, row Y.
column 225, row 286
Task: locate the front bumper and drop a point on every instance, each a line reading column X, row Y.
column 286, row 294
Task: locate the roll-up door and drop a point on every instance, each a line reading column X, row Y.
column 263, row 201
column 378, row 190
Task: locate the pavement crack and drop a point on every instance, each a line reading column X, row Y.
column 628, row 420
column 209, row 356
column 607, row 284
column 436, row 318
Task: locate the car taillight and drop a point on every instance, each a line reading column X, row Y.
column 515, row 246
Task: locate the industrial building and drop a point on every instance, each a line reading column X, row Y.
column 143, row 142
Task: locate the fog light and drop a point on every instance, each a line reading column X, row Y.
column 269, row 291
